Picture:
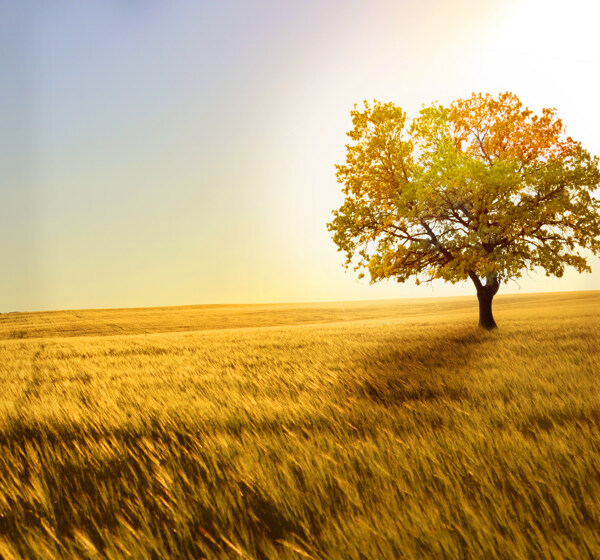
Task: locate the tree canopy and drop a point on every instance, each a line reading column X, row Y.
column 482, row 189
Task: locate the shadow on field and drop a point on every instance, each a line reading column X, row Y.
column 420, row 370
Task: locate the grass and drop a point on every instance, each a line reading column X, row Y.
column 369, row 430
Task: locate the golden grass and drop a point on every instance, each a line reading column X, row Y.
column 368, row 430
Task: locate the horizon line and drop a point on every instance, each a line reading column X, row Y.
column 286, row 303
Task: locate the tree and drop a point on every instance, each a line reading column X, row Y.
column 482, row 189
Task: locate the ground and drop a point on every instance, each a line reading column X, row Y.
column 393, row 429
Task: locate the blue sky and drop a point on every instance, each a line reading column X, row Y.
column 165, row 153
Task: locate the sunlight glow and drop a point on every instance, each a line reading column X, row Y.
column 182, row 152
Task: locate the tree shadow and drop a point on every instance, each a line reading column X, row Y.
column 420, row 370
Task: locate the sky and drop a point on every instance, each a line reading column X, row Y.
column 182, row 152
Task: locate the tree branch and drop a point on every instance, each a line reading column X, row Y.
column 476, row 281
column 436, row 243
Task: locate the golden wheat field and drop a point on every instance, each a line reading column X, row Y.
column 390, row 429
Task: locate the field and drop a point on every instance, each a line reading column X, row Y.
column 366, row 430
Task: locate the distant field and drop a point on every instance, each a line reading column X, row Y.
column 364, row 430
column 99, row 322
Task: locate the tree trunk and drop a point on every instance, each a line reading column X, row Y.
column 486, row 318
column 485, row 295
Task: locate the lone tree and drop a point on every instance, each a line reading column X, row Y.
column 482, row 189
